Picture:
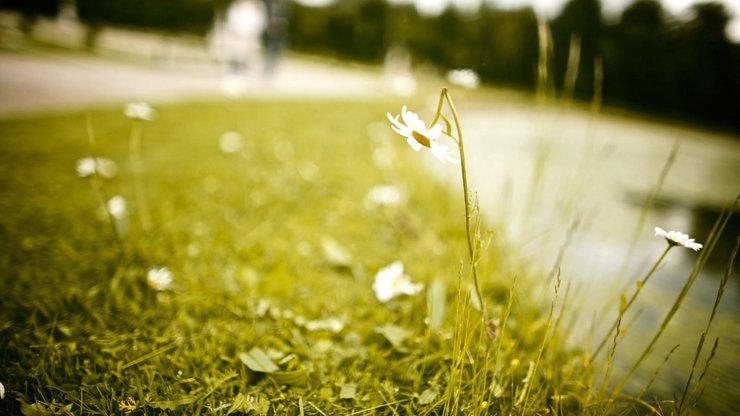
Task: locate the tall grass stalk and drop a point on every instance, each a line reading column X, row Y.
column 544, row 37
column 712, row 240
column 657, row 371
column 97, row 183
column 625, row 304
column 545, row 49
column 699, row 388
column 571, row 72
column 135, row 158
column 545, row 340
column 598, row 85
column 648, row 204
column 720, row 292
column 645, row 209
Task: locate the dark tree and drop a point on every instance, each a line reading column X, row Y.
column 31, row 10
column 637, row 55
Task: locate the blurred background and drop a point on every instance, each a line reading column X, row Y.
column 571, row 109
column 674, row 58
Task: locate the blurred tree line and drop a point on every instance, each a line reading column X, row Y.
column 686, row 69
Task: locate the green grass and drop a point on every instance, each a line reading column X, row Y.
column 245, row 237
column 80, row 326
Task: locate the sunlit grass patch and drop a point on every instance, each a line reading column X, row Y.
column 258, row 281
column 249, row 237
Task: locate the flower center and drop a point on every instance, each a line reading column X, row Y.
column 422, row 139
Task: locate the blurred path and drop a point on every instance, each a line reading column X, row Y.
column 52, row 73
column 32, row 82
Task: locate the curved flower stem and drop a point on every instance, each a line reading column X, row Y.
column 445, row 96
column 629, row 303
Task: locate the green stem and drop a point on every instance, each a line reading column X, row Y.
column 629, row 303
column 135, row 159
column 471, row 252
column 97, row 184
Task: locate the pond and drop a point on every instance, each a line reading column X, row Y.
column 541, row 170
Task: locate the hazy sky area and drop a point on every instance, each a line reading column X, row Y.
column 678, row 8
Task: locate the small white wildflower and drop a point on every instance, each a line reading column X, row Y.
column 139, row 111
column 334, row 325
column 383, row 195
column 418, row 136
column 677, row 238
column 390, row 282
column 117, row 207
column 402, row 84
column 89, row 165
column 2, row 391
column 231, row 142
column 466, row 78
column 334, row 253
column 159, row 279
column 233, row 86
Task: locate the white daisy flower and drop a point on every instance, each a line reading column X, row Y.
column 442, row 153
column 466, row 78
column 233, row 86
column 139, row 111
column 390, row 282
column 231, row 142
column 159, row 278
column 117, row 207
column 418, row 136
column 402, row 84
column 89, row 165
column 677, row 238
column 334, row 325
column 383, row 195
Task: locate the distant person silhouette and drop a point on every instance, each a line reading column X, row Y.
column 275, row 35
column 245, row 22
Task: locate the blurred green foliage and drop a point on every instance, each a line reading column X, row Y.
column 191, row 16
column 685, row 69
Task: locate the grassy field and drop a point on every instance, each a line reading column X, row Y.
column 273, row 249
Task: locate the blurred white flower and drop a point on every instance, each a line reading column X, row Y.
column 231, row 142
column 417, row 135
column 390, row 282
column 677, row 238
column 334, row 253
column 139, row 111
column 159, row 278
column 2, row 391
column 383, row 195
column 233, row 86
column 89, row 165
column 334, row 325
column 117, row 207
column 402, row 84
column 466, row 78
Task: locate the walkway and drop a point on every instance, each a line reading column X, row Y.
column 133, row 66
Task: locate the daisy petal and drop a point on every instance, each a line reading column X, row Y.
column 414, row 144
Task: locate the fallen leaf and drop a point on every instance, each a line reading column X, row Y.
column 258, row 361
column 348, row 391
column 396, row 335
